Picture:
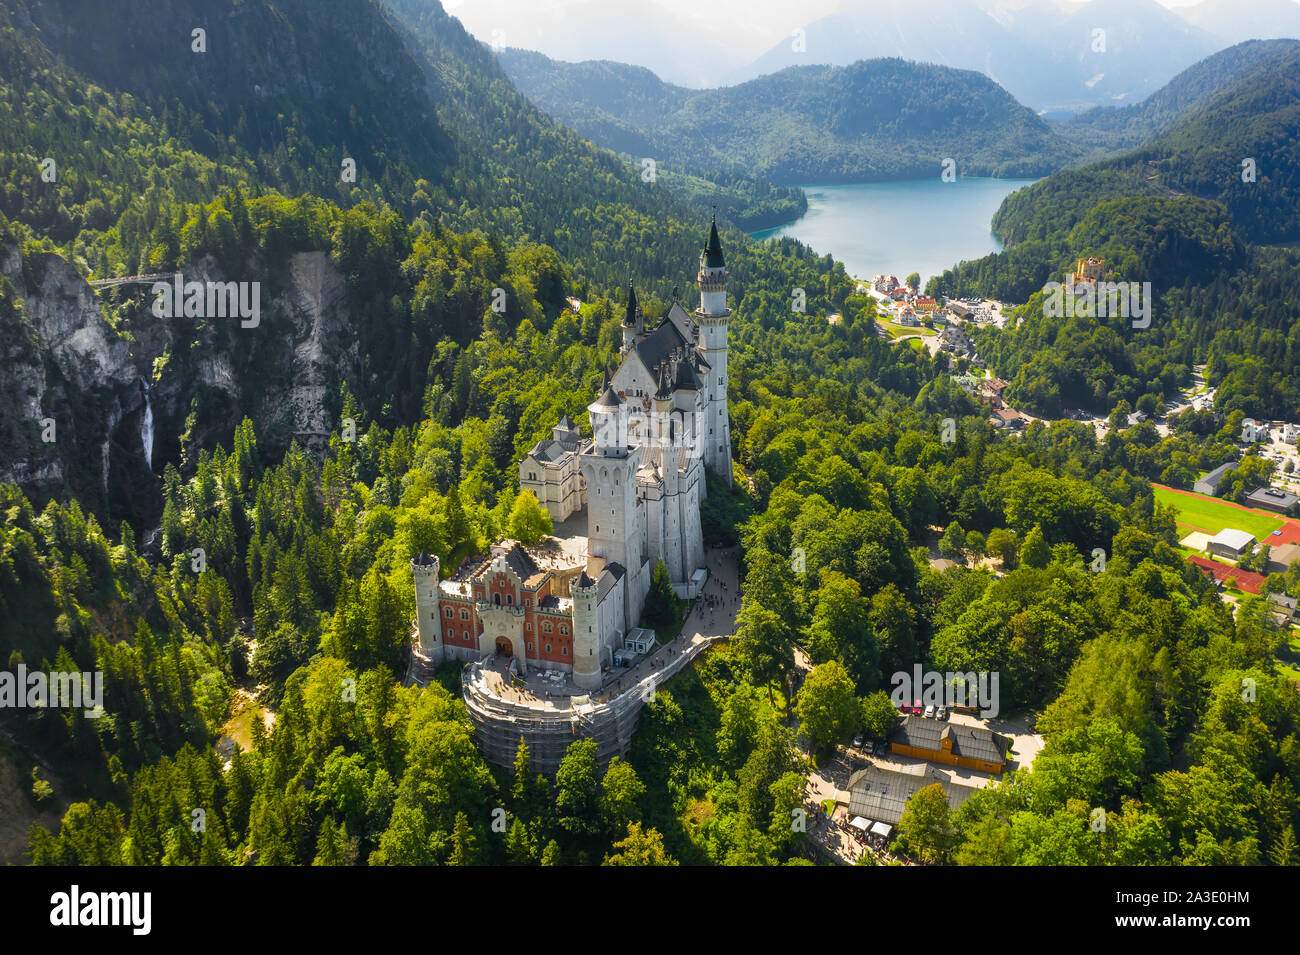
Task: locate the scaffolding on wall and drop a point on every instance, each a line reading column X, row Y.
column 549, row 730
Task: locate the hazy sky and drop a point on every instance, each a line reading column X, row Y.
column 751, row 26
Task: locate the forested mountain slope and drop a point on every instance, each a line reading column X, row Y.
column 1193, row 212
column 873, row 119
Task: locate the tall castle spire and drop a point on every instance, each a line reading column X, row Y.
column 713, row 318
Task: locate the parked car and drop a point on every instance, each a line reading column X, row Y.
column 941, row 713
column 858, row 741
column 929, row 711
column 882, row 748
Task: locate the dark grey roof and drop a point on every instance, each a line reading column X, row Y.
column 609, row 399
column 683, row 322
column 1272, row 496
column 686, row 378
column 549, row 450
column 518, row 560
column 880, row 792
column 661, row 342
column 970, row 741
column 611, row 575
column 1217, row 474
column 632, row 315
column 713, row 251
column 1284, row 601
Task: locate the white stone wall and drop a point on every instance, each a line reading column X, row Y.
column 613, row 529
column 559, row 489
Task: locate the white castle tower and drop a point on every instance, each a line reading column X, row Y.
column 713, row 317
column 424, row 570
column 587, row 648
column 609, row 468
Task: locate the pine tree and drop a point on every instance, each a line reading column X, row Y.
column 660, row 602
column 464, row 846
column 1034, row 552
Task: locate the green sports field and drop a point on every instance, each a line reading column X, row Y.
column 1200, row 513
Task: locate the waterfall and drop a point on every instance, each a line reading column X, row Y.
column 146, row 426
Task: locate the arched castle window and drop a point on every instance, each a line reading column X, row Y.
column 564, row 651
column 450, row 612
column 496, row 599
column 564, row 631
column 548, row 648
column 464, row 615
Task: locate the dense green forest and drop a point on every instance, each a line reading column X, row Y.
column 1139, row 668
column 280, row 582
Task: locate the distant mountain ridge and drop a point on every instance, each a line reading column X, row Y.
column 871, row 120
column 1126, row 127
column 1255, row 116
column 1050, row 57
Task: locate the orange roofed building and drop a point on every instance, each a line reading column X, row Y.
column 952, row 744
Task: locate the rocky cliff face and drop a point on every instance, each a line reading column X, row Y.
column 64, row 360
column 281, row 373
column 69, row 376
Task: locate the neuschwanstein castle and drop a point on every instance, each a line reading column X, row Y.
column 657, row 423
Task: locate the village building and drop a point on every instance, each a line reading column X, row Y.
column 1272, row 499
column 990, row 391
column 1209, row 485
column 938, row 741
column 1284, row 608
column 1230, row 543
column 1007, row 419
column 880, row 791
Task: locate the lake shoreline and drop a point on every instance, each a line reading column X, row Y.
column 899, row 226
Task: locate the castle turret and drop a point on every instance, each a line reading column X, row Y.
column 428, row 620
column 713, row 318
column 609, row 423
column 586, row 632
column 632, row 322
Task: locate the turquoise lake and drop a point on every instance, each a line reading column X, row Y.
column 917, row 225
